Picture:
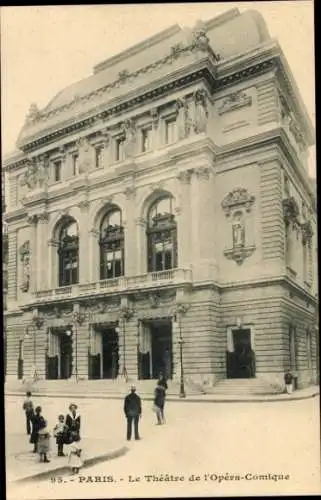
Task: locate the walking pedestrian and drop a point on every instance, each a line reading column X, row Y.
column 73, row 424
column 37, row 424
column 133, row 412
column 29, row 411
column 60, row 433
column 43, row 442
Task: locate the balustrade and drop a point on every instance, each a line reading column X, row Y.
column 154, row 279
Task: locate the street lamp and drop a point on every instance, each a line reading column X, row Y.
column 181, row 310
column 125, row 314
column 77, row 319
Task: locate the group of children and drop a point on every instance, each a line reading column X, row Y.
column 66, row 432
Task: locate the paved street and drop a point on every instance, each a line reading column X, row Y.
column 207, row 440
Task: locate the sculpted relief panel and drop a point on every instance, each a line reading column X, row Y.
column 237, row 205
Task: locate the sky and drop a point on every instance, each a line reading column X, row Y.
column 46, row 48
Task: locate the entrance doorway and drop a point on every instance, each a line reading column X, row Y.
column 104, row 357
column 65, row 341
column 240, row 356
column 155, row 349
column 59, row 356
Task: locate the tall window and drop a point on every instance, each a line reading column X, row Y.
column 68, row 254
column 75, row 164
column 57, row 170
column 111, row 246
column 98, row 156
column 170, row 131
column 146, row 139
column 120, row 142
column 162, row 236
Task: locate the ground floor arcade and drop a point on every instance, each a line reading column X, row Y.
column 215, row 335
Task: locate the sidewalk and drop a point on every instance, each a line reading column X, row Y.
column 306, row 393
column 23, row 465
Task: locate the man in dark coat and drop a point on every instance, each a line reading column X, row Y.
column 133, row 412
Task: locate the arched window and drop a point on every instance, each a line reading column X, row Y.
column 68, row 254
column 111, row 245
column 162, row 236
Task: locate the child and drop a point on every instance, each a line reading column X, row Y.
column 37, row 424
column 60, row 432
column 75, row 461
column 29, row 411
column 43, row 442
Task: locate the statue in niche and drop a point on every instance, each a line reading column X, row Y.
column 25, row 259
column 130, row 138
column 201, row 113
column 84, row 155
column 182, row 119
column 30, row 178
column 238, row 231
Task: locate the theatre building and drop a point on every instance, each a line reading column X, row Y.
column 160, row 210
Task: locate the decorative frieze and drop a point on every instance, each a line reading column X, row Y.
column 24, row 252
column 237, row 198
column 234, row 101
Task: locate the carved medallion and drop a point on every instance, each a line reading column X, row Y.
column 238, row 197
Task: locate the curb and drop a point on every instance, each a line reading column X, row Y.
column 200, row 399
column 62, row 470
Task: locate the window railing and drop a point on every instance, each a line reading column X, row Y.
column 148, row 280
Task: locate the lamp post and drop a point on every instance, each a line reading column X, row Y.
column 125, row 314
column 77, row 319
column 36, row 324
column 181, row 309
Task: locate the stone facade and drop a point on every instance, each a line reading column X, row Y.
column 225, row 140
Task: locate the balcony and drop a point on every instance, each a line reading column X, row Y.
column 116, row 285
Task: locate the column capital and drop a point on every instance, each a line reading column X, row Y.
column 203, row 173
column 43, row 217
column 185, row 176
column 32, row 219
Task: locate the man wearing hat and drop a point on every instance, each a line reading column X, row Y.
column 133, row 411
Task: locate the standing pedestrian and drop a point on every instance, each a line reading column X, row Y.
column 43, row 442
column 75, row 460
column 29, row 411
column 133, row 412
column 159, row 402
column 73, row 424
column 37, row 424
column 60, row 433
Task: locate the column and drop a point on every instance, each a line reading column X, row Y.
column 93, row 256
column 84, row 246
column 42, row 251
column 155, row 129
column 183, row 218
column 130, row 239
column 141, row 246
column 53, row 264
column 33, row 221
column 175, row 347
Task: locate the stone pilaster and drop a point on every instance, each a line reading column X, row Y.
column 12, row 265
column 141, row 249
column 130, row 238
column 33, row 221
column 42, row 251
column 156, row 139
column 84, row 246
column 93, row 256
column 183, row 218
